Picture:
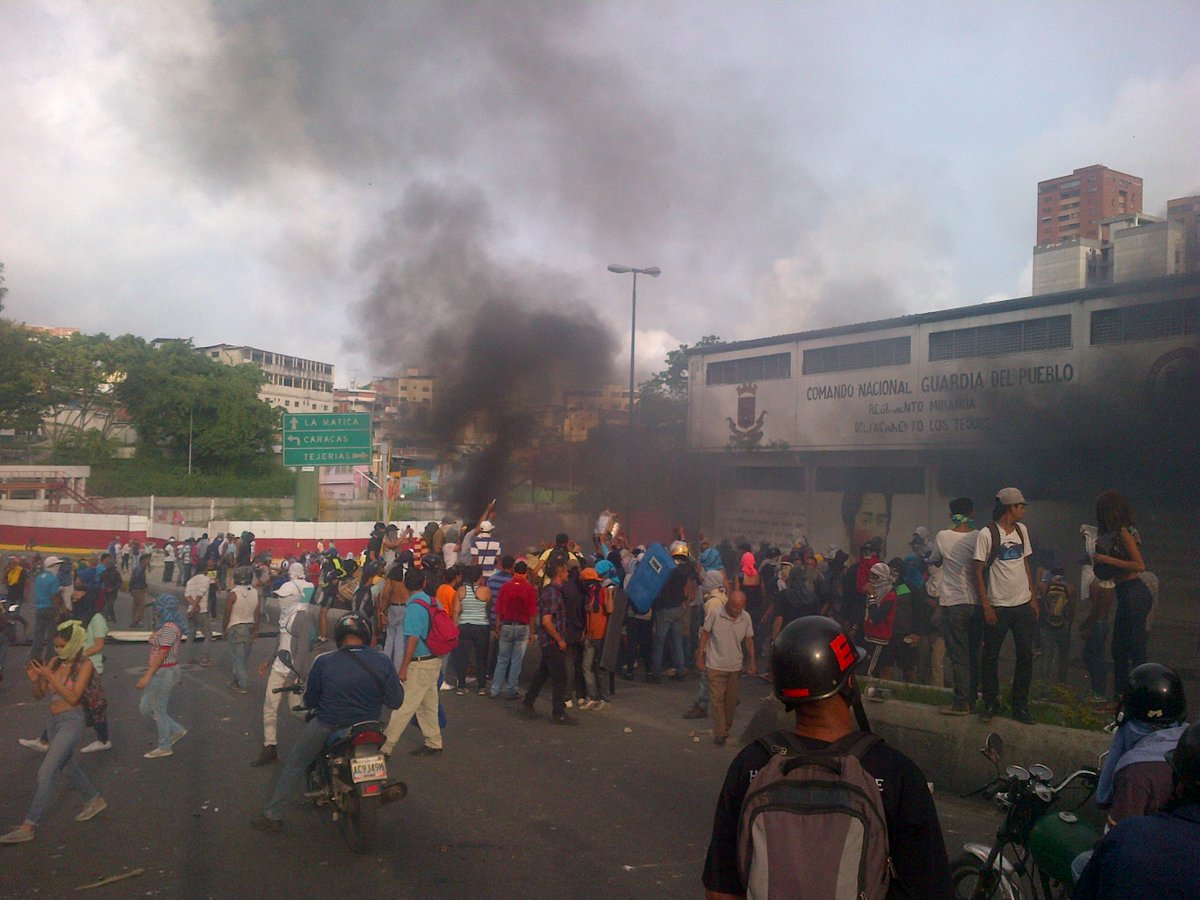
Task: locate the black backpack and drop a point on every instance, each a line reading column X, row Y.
column 559, row 555
column 110, row 579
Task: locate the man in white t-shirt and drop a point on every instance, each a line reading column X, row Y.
column 962, row 623
column 1008, row 597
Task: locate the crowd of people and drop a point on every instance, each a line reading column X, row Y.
column 451, row 611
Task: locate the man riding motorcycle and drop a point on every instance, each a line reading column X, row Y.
column 346, row 686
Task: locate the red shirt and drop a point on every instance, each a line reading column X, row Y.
column 518, row 601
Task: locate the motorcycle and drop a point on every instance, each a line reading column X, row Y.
column 1035, row 844
column 350, row 774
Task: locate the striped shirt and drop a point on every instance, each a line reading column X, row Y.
column 168, row 636
column 474, row 610
column 487, row 550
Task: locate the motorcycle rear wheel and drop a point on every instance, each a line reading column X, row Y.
column 359, row 821
column 971, row 881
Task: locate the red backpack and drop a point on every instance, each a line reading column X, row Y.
column 443, row 632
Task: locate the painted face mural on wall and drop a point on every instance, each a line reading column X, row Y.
column 866, row 515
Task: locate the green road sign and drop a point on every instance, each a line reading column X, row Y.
column 327, row 439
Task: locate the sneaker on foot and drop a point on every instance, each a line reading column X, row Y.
column 34, row 744
column 91, row 809
column 482, row 692
column 987, row 713
column 426, row 750
column 178, row 736
column 447, row 686
column 18, row 835
column 588, row 704
column 599, row 704
column 1023, row 716
column 158, row 753
column 96, row 747
column 570, row 704
column 268, row 755
column 956, row 709
column 460, row 692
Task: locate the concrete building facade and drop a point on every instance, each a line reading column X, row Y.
column 293, row 383
column 1071, row 206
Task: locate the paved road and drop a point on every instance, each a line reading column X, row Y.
column 512, row 808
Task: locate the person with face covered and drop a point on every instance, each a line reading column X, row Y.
column 162, row 674
column 294, row 595
column 880, row 619
column 65, row 679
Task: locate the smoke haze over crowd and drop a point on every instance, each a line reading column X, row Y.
column 272, row 172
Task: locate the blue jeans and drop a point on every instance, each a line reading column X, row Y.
column 1095, row 657
column 240, row 640
column 303, row 752
column 63, row 732
column 669, row 627
column 154, row 704
column 510, row 654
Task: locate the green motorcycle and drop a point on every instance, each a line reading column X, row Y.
column 1035, row 843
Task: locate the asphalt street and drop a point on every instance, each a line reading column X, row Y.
column 620, row 806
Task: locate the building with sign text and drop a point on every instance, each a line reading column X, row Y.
column 866, row 430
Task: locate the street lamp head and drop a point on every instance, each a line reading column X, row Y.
column 620, row 270
column 653, row 271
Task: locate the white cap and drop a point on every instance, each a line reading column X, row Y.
column 51, row 561
column 486, row 527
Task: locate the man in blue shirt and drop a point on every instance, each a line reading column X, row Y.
column 344, row 687
column 46, row 603
column 419, row 670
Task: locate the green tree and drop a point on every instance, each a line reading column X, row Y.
column 85, row 370
column 176, row 392
column 3, row 289
column 663, row 397
column 24, row 385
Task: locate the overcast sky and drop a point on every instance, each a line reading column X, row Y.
column 331, row 180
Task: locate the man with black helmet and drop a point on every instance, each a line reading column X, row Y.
column 1136, row 779
column 346, row 686
column 1155, row 855
column 812, row 662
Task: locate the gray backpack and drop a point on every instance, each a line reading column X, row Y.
column 812, row 824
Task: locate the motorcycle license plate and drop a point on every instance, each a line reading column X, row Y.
column 368, row 768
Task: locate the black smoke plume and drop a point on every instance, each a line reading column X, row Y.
column 503, row 338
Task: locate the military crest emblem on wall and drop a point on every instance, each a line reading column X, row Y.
column 747, row 431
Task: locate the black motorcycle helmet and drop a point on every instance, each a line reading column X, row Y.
column 352, row 623
column 1154, row 695
column 812, row 659
column 349, row 567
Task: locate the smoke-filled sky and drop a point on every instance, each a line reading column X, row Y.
column 346, row 180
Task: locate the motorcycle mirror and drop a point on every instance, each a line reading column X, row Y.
column 1041, row 773
column 1017, row 772
column 992, row 748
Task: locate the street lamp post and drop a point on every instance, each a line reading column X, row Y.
column 653, row 272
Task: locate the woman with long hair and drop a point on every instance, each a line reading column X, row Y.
column 66, row 679
column 1123, row 564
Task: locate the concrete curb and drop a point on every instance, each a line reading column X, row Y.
column 947, row 747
